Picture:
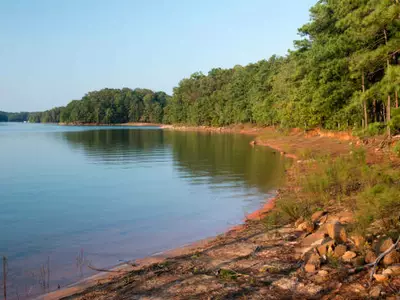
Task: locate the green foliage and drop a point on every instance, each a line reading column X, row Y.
column 371, row 191
column 396, row 149
column 109, row 106
column 227, row 275
column 13, row 117
column 3, row 116
column 373, row 129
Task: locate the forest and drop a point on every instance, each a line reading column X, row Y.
column 343, row 74
column 109, row 106
column 13, row 117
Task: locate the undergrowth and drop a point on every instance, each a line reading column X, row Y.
column 372, row 192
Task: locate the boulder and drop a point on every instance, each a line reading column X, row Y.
column 323, row 273
column 391, row 258
column 323, row 219
column 357, row 288
column 340, row 250
column 337, row 232
column 306, row 226
column 317, row 215
column 387, row 272
column 370, row 256
column 314, row 259
column 348, row 256
column 359, row 241
column 310, row 268
column 381, row 277
column 326, row 247
column 395, row 270
column 383, row 244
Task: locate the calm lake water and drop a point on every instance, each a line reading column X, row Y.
column 112, row 194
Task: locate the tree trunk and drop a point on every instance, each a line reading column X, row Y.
column 384, row 113
column 374, row 110
column 364, row 102
column 396, row 95
column 388, row 102
column 388, row 117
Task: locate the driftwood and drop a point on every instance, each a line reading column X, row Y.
column 375, row 264
column 105, row 270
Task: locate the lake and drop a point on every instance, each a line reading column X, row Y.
column 71, row 196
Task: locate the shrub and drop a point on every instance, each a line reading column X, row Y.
column 396, row 149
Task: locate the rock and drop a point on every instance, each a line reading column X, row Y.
column 299, row 221
column 370, row 256
column 348, row 256
column 310, row 268
column 323, row 219
column 391, row 258
column 337, row 232
column 306, row 226
column 387, row 272
column 375, row 292
column 381, row 278
column 309, row 289
column 323, row 273
column 383, row 244
column 395, row 270
column 317, row 215
column 340, row 250
column 346, row 217
column 286, row 283
column 359, row 241
column 326, row 247
column 357, row 288
column 314, row 259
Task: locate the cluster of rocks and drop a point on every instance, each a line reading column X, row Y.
column 333, row 246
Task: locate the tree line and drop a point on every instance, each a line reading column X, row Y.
column 344, row 73
column 13, row 117
column 109, row 106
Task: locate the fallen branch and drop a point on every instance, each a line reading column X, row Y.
column 359, row 269
column 375, row 264
column 106, row 270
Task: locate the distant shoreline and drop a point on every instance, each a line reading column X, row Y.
column 133, row 124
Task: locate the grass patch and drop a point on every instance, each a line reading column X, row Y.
column 227, row 275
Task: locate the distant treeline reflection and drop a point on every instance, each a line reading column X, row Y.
column 221, row 157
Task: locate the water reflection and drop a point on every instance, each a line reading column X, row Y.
column 197, row 156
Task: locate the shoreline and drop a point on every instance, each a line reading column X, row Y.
column 155, row 258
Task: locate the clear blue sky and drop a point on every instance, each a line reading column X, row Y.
column 53, row 51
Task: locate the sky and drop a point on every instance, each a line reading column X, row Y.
column 52, row 52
